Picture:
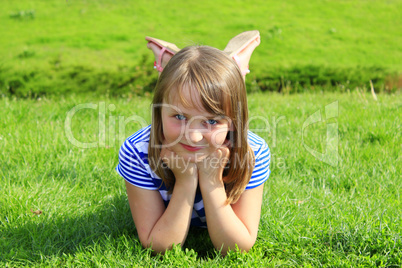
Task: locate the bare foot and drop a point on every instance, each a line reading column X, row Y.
column 241, row 47
column 243, row 57
column 163, row 52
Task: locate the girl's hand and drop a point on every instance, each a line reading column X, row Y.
column 179, row 166
column 211, row 168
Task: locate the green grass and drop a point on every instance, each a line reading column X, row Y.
column 313, row 214
column 44, row 44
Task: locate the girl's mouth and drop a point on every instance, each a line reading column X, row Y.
column 190, row 148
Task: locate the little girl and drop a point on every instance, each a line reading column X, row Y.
column 197, row 164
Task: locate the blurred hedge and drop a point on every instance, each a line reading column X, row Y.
column 141, row 79
column 312, row 77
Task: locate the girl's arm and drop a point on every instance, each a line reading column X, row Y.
column 229, row 225
column 159, row 227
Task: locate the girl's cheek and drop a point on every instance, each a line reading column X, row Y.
column 174, row 130
column 219, row 139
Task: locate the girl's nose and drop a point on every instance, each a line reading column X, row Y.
column 194, row 135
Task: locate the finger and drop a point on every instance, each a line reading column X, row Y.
column 225, row 156
column 222, row 152
column 225, row 152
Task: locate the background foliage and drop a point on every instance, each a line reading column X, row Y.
column 98, row 46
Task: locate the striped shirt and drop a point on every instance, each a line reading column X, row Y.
column 134, row 168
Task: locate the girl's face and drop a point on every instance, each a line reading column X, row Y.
column 192, row 132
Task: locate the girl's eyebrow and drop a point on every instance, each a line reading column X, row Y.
column 220, row 116
column 177, row 110
column 207, row 115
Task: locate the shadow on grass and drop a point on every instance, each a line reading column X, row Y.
column 198, row 240
column 46, row 237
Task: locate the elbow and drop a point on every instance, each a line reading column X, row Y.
column 157, row 248
column 159, row 244
column 246, row 248
column 241, row 247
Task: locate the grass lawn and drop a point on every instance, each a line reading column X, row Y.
column 334, row 192
column 315, row 214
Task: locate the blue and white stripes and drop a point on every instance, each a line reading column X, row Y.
column 134, row 168
column 262, row 160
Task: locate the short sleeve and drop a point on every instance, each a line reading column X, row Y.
column 133, row 168
column 261, row 169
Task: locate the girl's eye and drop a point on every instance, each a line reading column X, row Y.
column 180, row 117
column 212, row 122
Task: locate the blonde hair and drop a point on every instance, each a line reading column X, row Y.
column 218, row 80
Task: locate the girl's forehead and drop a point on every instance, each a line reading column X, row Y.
column 188, row 97
column 185, row 96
